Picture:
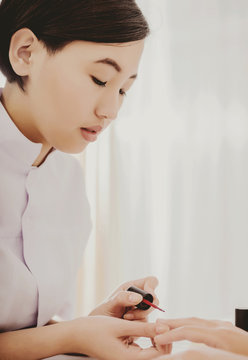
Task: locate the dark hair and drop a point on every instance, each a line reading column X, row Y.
column 59, row 22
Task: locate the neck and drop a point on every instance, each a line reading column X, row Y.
column 17, row 105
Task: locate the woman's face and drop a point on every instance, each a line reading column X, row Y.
column 74, row 94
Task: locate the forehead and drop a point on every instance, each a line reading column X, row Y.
column 127, row 55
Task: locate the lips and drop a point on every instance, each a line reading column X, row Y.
column 94, row 129
column 90, row 133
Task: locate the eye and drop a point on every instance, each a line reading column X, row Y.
column 122, row 92
column 98, row 82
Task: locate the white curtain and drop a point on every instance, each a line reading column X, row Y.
column 168, row 181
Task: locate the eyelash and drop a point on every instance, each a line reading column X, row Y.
column 98, row 82
column 103, row 84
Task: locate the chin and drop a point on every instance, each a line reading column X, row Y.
column 72, row 149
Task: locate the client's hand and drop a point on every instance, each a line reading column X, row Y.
column 109, row 338
column 122, row 302
column 205, row 353
column 217, row 334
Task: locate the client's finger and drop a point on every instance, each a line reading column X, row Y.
column 190, row 333
column 193, row 321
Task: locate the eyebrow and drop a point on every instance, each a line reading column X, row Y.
column 113, row 63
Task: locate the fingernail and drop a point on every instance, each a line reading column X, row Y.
column 135, row 298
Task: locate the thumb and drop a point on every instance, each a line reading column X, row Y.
column 126, row 299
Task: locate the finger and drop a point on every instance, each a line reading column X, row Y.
column 125, row 299
column 203, row 354
column 169, row 348
column 150, row 285
column 150, row 281
column 190, row 333
column 184, row 355
column 147, row 284
column 193, row 321
column 136, row 314
column 161, row 346
column 132, row 316
column 164, row 349
column 136, row 352
column 161, row 326
column 148, row 354
column 137, row 329
column 178, row 356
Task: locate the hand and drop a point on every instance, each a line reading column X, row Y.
column 122, row 302
column 109, row 338
column 218, row 334
column 205, row 353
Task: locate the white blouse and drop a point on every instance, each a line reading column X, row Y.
column 44, row 227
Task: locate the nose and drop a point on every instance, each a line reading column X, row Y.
column 107, row 109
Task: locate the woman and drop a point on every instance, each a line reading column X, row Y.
column 68, row 66
column 224, row 340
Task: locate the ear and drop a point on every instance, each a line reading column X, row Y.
column 22, row 45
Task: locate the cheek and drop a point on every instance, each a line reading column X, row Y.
column 64, row 98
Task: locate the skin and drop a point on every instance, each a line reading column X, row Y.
column 205, row 353
column 220, row 335
column 101, row 337
column 121, row 302
column 61, row 96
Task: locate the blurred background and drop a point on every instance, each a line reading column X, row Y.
column 168, row 181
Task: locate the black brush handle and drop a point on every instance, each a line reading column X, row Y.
column 146, row 295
